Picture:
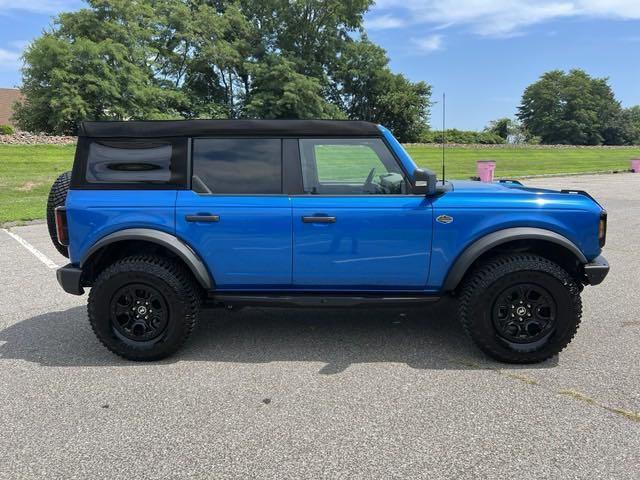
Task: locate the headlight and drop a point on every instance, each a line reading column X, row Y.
column 602, row 228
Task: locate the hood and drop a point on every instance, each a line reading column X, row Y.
column 515, row 194
column 496, row 187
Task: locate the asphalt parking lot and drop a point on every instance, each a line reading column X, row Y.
column 297, row 394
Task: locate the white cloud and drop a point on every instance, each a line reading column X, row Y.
column 507, row 17
column 46, row 7
column 10, row 60
column 384, row 22
column 429, row 44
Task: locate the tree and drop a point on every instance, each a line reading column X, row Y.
column 118, row 59
column 629, row 125
column 571, row 108
column 278, row 91
column 365, row 88
column 503, row 127
column 94, row 65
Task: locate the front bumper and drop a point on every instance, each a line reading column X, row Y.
column 69, row 279
column 596, row 270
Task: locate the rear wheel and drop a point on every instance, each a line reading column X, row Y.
column 57, row 198
column 520, row 308
column 144, row 307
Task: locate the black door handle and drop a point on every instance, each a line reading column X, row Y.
column 319, row 219
column 202, row 218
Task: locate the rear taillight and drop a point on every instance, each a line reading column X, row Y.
column 602, row 229
column 62, row 230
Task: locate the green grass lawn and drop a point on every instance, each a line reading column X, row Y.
column 27, row 171
column 26, row 175
column 522, row 162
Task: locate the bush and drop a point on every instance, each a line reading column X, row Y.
column 462, row 136
column 6, row 130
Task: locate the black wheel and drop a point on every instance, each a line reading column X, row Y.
column 57, row 198
column 520, row 308
column 144, row 307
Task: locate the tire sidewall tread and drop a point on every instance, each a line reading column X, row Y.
column 491, row 277
column 173, row 281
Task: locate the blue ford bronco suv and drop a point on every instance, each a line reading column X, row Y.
column 162, row 219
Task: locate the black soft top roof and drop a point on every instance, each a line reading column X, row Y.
column 196, row 128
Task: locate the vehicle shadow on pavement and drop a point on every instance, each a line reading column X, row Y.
column 422, row 338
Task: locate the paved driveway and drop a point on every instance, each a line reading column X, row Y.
column 310, row 394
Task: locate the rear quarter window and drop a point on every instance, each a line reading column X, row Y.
column 121, row 163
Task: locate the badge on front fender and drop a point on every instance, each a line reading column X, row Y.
column 444, row 219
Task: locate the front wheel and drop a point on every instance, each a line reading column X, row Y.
column 144, row 307
column 520, row 308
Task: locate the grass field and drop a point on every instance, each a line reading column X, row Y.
column 27, row 171
column 523, row 162
column 26, row 175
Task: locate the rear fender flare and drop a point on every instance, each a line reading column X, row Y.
column 170, row 242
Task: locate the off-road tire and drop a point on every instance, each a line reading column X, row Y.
column 57, row 198
column 182, row 295
column 482, row 287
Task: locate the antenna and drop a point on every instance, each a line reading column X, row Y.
column 444, row 118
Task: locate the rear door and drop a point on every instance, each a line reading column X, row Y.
column 357, row 226
column 235, row 215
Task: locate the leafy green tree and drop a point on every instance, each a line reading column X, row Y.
column 147, row 59
column 462, row 137
column 366, row 89
column 312, row 33
column 279, row 91
column 571, row 108
column 503, row 127
column 93, row 67
column 630, row 125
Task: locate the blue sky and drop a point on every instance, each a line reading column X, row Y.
column 483, row 53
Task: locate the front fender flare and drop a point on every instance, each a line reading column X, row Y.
column 486, row 243
column 171, row 242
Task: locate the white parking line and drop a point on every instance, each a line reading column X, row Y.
column 36, row 253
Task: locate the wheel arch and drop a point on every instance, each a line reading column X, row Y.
column 130, row 240
column 538, row 240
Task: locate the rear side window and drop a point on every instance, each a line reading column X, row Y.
column 121, row 163
column 237, row 166
column 129, row 163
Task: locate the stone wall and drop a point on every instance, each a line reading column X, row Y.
column 24, row 138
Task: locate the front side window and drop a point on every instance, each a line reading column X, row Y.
column 129, row 162
column 350, row 167
column 237, row 166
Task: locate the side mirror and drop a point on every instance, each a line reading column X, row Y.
column 424, row 182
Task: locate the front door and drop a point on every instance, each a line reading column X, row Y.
column 236, row 216
column 356, row 227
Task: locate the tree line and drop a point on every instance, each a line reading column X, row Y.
column 165, row 59
column 169, row 59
